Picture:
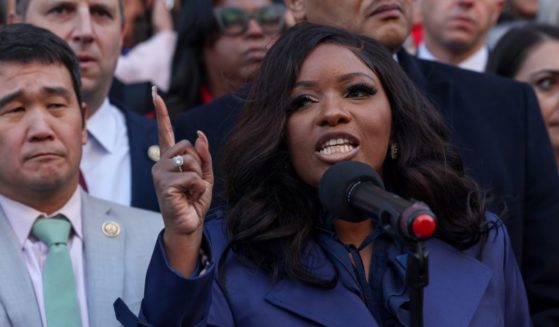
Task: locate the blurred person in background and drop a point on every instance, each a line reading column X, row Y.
column 221, row 44
column 201, row 75
column 149, row 60
column 521, row 9
column 515, row 13
column 529, row 54
column 455, row 31
column 548, row 12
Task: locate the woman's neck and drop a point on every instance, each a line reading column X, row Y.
column 353, row 233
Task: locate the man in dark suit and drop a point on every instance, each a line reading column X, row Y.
column 122, row 145
column 495, row 123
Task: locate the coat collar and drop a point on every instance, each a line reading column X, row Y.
column 447, row 266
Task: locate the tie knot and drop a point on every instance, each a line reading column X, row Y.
column 52, row 230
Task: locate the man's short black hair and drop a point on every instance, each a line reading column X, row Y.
column 25, row 43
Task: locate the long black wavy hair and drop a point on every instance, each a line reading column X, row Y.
column 273, row 215
column 197, row 29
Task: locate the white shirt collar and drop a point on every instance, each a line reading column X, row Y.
column 476, row 62
column 104, row 125
column 22, row 217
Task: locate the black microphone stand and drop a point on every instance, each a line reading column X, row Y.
column 417, row 277
column 417, row 271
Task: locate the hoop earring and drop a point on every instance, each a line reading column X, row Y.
column 394, row 151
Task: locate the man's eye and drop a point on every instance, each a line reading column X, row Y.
column 14, row 110
column 56, row 105
column 60, row 10
column 101, row 13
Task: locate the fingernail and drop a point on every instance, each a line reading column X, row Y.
column 201, row 134
column 153, row 92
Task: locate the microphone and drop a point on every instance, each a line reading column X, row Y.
column 353, row 191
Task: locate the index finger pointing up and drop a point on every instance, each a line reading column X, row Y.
column 164, row 127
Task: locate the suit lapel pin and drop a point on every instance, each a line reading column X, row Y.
column 154, row 153
column 111, row 229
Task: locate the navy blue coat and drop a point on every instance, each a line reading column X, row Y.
column 497, row 127
column 142, row 134
column 469, row 288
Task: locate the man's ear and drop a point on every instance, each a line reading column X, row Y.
column 498, row 10
column 297, row 8
column 14, row 18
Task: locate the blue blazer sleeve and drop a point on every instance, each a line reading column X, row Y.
column 170, row 299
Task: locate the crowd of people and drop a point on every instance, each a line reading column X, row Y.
column 162, row 161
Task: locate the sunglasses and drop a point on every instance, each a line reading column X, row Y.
column 234, row 21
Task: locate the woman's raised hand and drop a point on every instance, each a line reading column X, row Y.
column 183, row 179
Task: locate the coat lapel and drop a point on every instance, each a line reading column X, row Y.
column 457, row 284
column 16, row 290
column 336, row 307
column 103, row 261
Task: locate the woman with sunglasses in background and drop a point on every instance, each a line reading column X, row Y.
column 220, row 45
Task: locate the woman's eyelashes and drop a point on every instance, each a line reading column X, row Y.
column 301, row 101
column 360, row 90
column 353, row 91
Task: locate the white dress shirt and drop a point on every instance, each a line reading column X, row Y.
column 105, row 162
column 21, row 219
column 476, row 62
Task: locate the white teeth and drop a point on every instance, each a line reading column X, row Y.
column 336, row 149
column 337, row 143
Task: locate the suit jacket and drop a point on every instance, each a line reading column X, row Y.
column 497, row 127
column 114, row 266
column 142, row 135
column 216, row 119
column 476, row 287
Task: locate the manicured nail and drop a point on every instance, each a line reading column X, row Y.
column 202, row 135
column 153, row 92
